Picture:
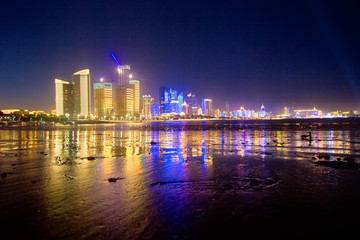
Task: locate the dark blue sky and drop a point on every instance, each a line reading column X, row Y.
column 278, row 53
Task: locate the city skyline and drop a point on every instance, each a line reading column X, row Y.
column 120, row 100
column 74, row 100
column 244, row 53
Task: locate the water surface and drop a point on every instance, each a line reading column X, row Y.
column 178, row 180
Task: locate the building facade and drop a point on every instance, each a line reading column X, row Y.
column 135, row 85
column 82, row 96
column 162, row 91
column 155, row 110
column 207, row 107
column 121, row 91
column 64, row 98
column 192, row 104
column 103, row 100
column 129, row 103
column 147, row 101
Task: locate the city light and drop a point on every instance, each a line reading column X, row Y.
column 120, row 100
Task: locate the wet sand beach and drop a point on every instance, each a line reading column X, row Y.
column 179, row 181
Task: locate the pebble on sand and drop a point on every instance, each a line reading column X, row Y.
column 114, row 179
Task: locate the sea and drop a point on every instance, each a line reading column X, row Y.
column 224, row 179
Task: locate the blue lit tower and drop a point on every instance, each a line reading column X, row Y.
column 227, row 106
column 162, row 99
column 207, row 107
column 181, row 101
column 167, row 100
column 155, row 110
column 262, row 111
column 174, row 103
column 192, row 104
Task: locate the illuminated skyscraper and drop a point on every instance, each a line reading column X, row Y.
column 169, row 102
column 162, row 91
column 121, row 90
column 148, row 101
column 174, row 102
column 103, row 100
column 207, row 107
column 135, row 85
column 192, row 104
column 217, row 113
column 64, row 98
column 262, row 111
column 129, row 102
column 124, row 71
column 286, row 111
column 155, row 110
column 185, row 108
column 181, row 101
column 227, row 106
column 81, row 81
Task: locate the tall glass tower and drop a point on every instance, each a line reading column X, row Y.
column 207, row 107
column 135, row 85
column 81, row 81
column 121, row 91
column 64, row 98
column 103, row 100
column 162, row 90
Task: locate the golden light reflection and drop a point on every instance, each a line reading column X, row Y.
column 81, row 159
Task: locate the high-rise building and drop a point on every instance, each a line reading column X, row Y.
column 174, row 103
column 169, row 101
column 286, row 111
column 185, row 108
column 162, row 91
column 103, row 100
column 262, row 111
column 181, row 101
column 227, row 106
column 192, row 104
column 155, row 110
column 64, row 98
column 129, row 102
column 135, row 85
column 81, row 81
column 120, row 90
column 217, row 113
column 207, row 107
column 124, row 71
column 148, row 101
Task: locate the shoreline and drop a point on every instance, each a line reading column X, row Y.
column 207, row 124
column 205, row 120
column 286, row 120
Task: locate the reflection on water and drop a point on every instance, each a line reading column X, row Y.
column 174, row 145
column 165, row 176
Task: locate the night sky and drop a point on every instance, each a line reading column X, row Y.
column 280, row 53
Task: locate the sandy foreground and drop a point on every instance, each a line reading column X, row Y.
column 110, row 182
